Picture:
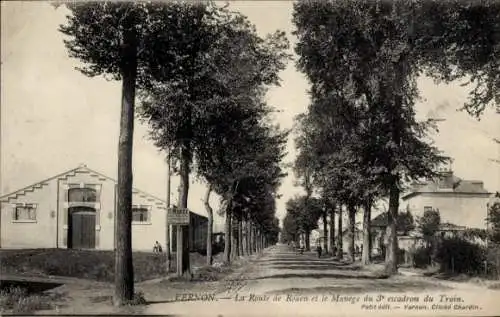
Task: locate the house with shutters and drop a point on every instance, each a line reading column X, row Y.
column 76, row 209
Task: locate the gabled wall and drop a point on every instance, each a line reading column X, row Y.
column 144, row 235
column 40, row 233
column 50, row 229
column 468, row 210
column 104, row 207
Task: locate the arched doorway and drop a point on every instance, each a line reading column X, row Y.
column 81, row 227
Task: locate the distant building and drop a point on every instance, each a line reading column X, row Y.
column 76, row 209
column 459, row 202
column 462, row 204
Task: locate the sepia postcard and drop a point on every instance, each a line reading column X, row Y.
column 250, row 158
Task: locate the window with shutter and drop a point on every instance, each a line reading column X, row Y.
column 140, row 214
column 24, row 212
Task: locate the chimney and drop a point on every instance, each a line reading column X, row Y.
column 445, row 178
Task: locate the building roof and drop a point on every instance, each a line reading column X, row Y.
column 380, row 220
column 80, row 169
column 447, row 182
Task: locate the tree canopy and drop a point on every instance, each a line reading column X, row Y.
column 363, row 59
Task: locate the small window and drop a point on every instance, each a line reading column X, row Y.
column 82, row 195
column 428, row 208
column 25, row 212
column 140, row 214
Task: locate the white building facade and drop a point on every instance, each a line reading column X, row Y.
column 77, row 209
column 459, row 202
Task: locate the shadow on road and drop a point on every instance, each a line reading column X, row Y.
column 324, row 275
column 302, row 261
column 315, row 267
column 392, row 287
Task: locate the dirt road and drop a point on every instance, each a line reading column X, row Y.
column 282, row 282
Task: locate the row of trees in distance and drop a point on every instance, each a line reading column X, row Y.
column 360, row 141
column 199, row 74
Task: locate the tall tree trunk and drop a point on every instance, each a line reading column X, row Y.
column 308, row 240
column 249, row 236
column 227, row 234
column 332, row 229
column 400, row 72
column 366, row 256
column 325, row 231
column 257, row 236
column 391, row 254
column 167, row 224
column 257, row 246
column 234, row 233
column 210, row 224
column 340, row 245
column 183, row 255
column 252, row 238
column 351, row 231
column 240, row 236
column 124, row 270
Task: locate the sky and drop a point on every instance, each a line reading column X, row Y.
column 53, row 118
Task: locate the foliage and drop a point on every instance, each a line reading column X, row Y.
column 137, row 299
column 459, row 40
column 223, row 79
column 405, row 222
column 421, row 256
column 19, row 301
column 429, row 224
column 211, row 273
column 457, row 255
column 304, row 213
column 363, row 59
column 213, row 107
column 95, row 265
column 164, row 34
column 493, row 258
column 494, row 220
column 290, row 228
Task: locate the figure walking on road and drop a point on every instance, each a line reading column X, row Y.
column 319, row 249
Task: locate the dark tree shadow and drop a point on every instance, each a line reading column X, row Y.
column 317, row 267
column 375, row 287
column 323, row 275
column 285, row 261
column 30, row 286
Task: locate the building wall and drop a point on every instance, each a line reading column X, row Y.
column 144, row 234
column 40, row 233
column 459, row 209
column 198, row 230
column 50, row 229
column 104, row 207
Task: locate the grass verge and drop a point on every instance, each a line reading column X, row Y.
column 85, row 264
column 18, row 301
